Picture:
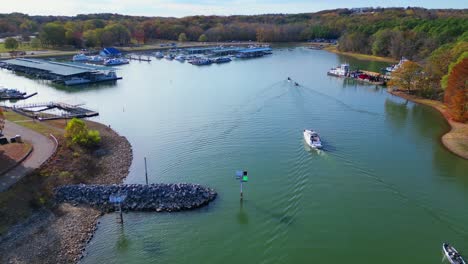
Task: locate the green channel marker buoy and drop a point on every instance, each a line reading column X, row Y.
column 241, row 175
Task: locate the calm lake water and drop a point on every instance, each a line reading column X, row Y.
column 384, row 188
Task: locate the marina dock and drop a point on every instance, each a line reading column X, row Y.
column 21, row 96
column 38, row 111
column 138, row 58
column 67, row 73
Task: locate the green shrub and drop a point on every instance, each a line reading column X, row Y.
column 78, row 133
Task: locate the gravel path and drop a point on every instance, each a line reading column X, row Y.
column 43, row 148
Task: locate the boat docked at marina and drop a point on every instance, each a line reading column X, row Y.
column 77, row 81
column 340, row 71
column 452, row 254
column 169, row 57
column 95, row 59
column 13, row 94
column 180, row 58
column 201, row 61
column 92, row 78
column 159, row 55
column 222, row 60
column 80, row 57
column 312, row 139
column 395, row 67
column 116, row 61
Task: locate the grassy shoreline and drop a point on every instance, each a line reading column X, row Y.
column 334, row 49
column 456, row 139
column 28, row 206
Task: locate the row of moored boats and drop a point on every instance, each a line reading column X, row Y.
column 192, row 59
column 100, row 59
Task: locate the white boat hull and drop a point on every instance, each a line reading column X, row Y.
column 449, row 252
column 313, row 144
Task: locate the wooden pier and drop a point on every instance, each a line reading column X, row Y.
column 37, row 111
column 138, row 58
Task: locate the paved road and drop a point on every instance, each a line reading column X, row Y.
column 43, row 148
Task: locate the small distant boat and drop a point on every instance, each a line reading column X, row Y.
column 340, row 71
column 96, row 59
column 289, row 79
column 312, row 139
column 159, row 55
column 452, row 254
column 296, row 84
column 222, row 60
column 116, row 61
column 80, row 57
column 169, row 57
column 180, row 58
column 201, row 61
column 396, row 66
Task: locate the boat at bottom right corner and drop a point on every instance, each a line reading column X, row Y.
column 452, row 254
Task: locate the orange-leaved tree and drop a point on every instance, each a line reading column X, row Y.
column 456, row 93
column 2, row 120
column 407, row 76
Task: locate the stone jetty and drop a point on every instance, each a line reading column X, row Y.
column 153, row 197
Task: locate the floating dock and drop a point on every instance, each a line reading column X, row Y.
column 59, row 71
column 138, row 58
column 11, row 94
column 37, row 111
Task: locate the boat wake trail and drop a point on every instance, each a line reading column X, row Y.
column 438, row 216
column 345, row 105
column 225, row 127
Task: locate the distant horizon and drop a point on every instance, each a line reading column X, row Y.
column 184, row 8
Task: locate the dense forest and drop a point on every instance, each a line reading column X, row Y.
column 391, row 32
column 434, row 38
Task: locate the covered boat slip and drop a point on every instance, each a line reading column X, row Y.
column 57, row 71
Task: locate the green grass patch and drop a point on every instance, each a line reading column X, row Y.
column 359, row 56
column 27, row 122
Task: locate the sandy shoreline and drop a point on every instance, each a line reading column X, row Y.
column 456, row 139
column 60, row 234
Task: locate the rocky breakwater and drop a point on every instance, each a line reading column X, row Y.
column 153, row 197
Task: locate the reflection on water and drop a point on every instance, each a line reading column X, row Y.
column 397, row 112
column 84, row 87
column 123, row 243
column 242, row 216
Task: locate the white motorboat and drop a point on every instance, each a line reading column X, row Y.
column 159, row 55
column 169, row 57
column 452, row 254
column 312, row 139
column 96, row 59
column 341, row 71
column 80, row 57
column 116, row 61
column 180, row 58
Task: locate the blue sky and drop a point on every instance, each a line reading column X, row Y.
column 180, row 8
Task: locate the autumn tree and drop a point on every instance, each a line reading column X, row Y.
column 2, row 120
column 456, row 93
column 408, row 76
